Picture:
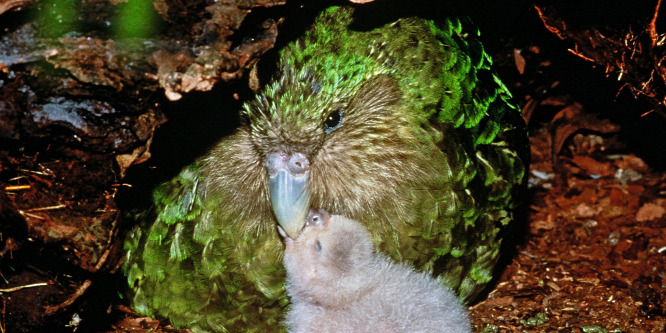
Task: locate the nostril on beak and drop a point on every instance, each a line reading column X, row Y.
column 289, row 192
column 275, row 162
column 298, row 164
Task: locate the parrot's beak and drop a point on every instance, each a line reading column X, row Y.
column 290, row 193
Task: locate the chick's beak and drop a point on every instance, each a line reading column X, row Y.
column 289, row 190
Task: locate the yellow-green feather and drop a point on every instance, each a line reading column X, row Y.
column 205, row 263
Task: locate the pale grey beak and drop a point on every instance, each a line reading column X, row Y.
column 290, row 193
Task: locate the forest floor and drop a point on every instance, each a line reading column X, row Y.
column 591, row 254
column 594, row 255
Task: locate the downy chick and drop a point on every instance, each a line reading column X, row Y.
column 338, row 283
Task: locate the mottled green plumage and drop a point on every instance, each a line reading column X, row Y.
column 429, row 157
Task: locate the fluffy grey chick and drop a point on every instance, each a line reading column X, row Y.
column 338, row 283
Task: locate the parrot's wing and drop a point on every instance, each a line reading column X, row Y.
column 157, row 252
column 493, row 164
column 479, row 151
column 191, row 265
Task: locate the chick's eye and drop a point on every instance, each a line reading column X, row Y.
column 317, row 246
column 333, row 121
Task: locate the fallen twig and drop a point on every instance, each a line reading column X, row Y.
column 24, row 213
column 41, row 173
column 9, row 290
column 49, row 310
column 652, row 27
column 17, row 187
column 2, row 324
column 39, row 209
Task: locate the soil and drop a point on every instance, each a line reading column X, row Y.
column 594, row 256
column 591, row 254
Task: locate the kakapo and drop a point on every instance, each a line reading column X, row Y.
column 403, row 128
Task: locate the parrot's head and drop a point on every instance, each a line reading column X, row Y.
column 342, row 144
column 332, row 128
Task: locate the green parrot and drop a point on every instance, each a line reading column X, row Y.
column 404, row 128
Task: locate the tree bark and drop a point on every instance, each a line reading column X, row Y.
column 82, row 86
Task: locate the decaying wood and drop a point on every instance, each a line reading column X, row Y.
column 80, row 100
column 7, row 5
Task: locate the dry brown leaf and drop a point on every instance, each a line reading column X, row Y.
column 558, row 100
column 536, row 226
column 528, row 108
column 572, row 119
column 584, row 210
column 649, row 212
column 592, row 166
column 616, row 197
column 520, row 61
column 500, row 301
column 631, row 161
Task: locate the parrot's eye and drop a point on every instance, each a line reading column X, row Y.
column 317, row 246
column 333, row 121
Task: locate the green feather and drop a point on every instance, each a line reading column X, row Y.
column 430, row 157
